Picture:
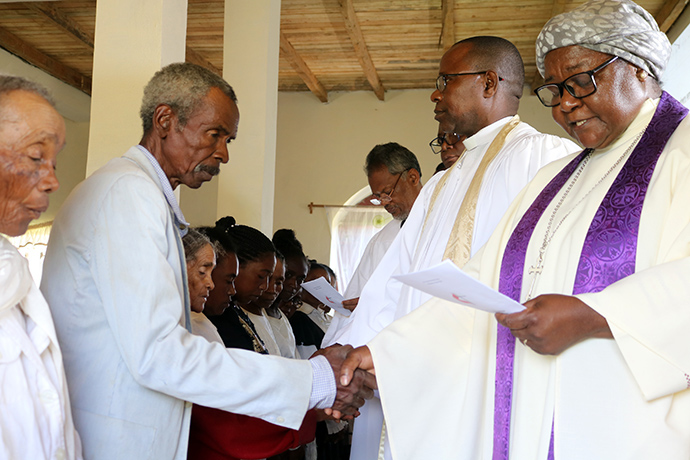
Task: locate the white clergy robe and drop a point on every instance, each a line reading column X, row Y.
column 373, row 253
column 419, row 245
column 621, row 398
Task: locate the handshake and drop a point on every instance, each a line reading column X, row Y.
column 354, row 378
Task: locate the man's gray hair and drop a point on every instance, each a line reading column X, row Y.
column 9, row 83
column 182, row 86
column 393, row 157
column 193, row 242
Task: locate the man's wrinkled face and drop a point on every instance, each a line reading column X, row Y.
column 194, row 152
column 399, row 188
column 31, row 135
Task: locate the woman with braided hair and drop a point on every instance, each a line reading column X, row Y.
column 257, row 261
column 216, row 434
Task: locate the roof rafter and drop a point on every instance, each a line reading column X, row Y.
column 65, row 22
column 669, row 13
column 55, row 15
column 354, row 30
column 27, row 52
column 302, row 69
column 192, row 56
column 448, row 24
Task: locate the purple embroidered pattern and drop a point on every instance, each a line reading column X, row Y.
column 608, row 253
column 510, row 284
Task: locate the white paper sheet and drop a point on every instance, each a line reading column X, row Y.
column 326, row 294
column 448, row 282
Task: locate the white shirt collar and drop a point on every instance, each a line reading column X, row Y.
column 486, row 135
column 180, row 222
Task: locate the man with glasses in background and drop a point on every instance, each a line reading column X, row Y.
column 394, row 177
column 477, row 95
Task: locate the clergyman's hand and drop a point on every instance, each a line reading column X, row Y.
column 552, row 323
column 359, row 387
column 359, row 358
column 351, row 304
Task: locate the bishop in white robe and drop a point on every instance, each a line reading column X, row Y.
column 621, row 394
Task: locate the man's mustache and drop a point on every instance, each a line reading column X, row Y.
column 212, row 170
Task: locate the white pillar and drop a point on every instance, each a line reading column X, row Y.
column 134, row 39
column 250, row 65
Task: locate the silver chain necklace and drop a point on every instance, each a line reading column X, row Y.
column 537, row 269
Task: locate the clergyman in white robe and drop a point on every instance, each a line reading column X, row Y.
column 373, row 253
column 422, row 241
column 623, row 398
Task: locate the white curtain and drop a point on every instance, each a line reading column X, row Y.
column 351, row 230
column 32, row 245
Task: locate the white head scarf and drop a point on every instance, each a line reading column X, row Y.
column 618, row 27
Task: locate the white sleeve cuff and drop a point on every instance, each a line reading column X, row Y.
column 323, row 388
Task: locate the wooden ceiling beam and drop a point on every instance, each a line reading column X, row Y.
column 195, row 58
column 27, row 52
column 669, row 13
column 448, row 24
column 355, row 32
column 64, row 22
column 302, row 69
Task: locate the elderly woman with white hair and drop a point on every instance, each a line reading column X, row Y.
column 596, row 248
column 35, row 414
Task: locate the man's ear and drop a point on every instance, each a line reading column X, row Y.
column 413, row 176
column 163, row 120
column 490, row 83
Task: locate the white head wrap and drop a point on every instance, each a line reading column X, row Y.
column 618, row 27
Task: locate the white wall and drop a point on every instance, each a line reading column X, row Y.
column 321, row 150
column 675, row 78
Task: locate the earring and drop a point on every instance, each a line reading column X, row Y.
column 642, row 75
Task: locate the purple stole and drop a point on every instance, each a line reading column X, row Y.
column 608, row 253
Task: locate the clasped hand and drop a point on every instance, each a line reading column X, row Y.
column 552, row 323
column 353, row 391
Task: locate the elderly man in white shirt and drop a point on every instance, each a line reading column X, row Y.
column 35, row 415
column 115, row 274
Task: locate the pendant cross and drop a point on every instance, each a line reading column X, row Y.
column 536, row 271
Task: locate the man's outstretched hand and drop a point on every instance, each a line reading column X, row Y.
column 359, row 384
column 359, row 358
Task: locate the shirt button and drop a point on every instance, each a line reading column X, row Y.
column 187, row 404
column 60, row 454
column 280, row 420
